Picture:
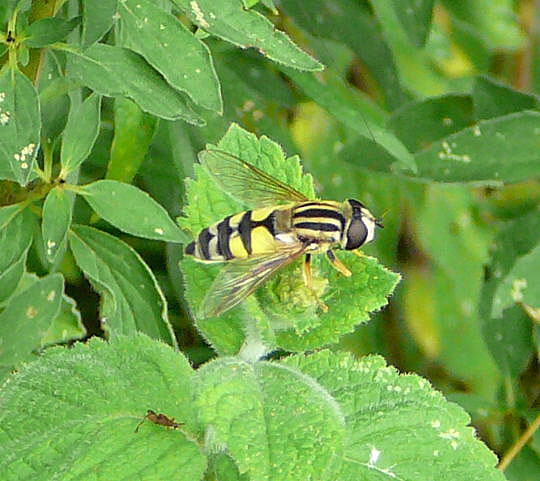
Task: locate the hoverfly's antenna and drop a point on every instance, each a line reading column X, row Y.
column 379, row 221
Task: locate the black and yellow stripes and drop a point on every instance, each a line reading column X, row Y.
column 260, row 231
column 237, row 237
column 319, row 220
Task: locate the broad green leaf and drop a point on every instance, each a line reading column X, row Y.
column 447, row 229
column 119, row 72
column 494, row 99
column 494, row 150
column 132, row 210
column 80, row 134
column 45, row 434
column 19, row 126
column 47, row 31
column 520, row 285
column 415, row 16
column 276, row 423
column 15, row 238
column 353, row 24
column 286, row 308
column 419, row 123
column 57, row 212
column 398, row 426
column 510, row 340
column 157, row 35
column 516, row 240
column 228, row 20
column 67, row 325
column 131, row 298
column 380, row 148
column 98, row 18
column 27, row 317
column 350, row 301
column 133, row 134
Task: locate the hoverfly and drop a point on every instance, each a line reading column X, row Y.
column 283, row 225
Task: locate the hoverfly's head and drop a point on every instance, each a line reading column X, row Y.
column 360, row 227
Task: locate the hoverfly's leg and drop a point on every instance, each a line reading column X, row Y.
column 338, row 265
column 358, row 253
column 308, row 279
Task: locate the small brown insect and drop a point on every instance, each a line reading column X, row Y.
column 160, row 419
column 10, row 38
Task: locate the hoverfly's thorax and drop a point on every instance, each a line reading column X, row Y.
column 322, row 222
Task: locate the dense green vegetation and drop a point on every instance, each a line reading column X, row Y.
column 426, row 111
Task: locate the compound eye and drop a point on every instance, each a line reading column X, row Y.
column 356, row 235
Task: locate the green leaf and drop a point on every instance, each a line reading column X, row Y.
column 284, row 299
column 15, row 239
column 228, row 20
column 156, row 35
column 419, row 123
column 343, row 24
column 276, row 423
column 57, row 212
column 496, row 21
column 53, row 97
column 27, row 317
column 80, row 134
column 520, row 285
column 132, row 210
column 494, row 99
column 380, row 147
column 47, row 31
column 398, row 426
column 45, row 434
column 415, row 16
column 133, row 134
column 119, row 72
column 67, row 325
column 494, row 150
column 350, row 301
column 516, row 240
column 98, row 18
column 131, row 298
column 20, row 126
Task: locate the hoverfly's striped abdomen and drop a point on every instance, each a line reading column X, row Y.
column 241, row 236
column 319, row 220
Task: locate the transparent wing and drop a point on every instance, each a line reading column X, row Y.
column 246, row 182
column 239, row 279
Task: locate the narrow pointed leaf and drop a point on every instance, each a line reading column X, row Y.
column 116, row 71
column 132, row 210
column 80, row 133
column 131, row 298
column 228, row 20
column 57, row 212
column 495, row 150
column 156, row 35
column 20, row 126
column 47, row 31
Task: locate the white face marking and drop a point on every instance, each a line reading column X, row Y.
column 369, row 222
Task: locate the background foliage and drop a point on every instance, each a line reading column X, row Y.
column 427, row 111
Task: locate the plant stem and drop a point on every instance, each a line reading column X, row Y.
column 518, row 445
